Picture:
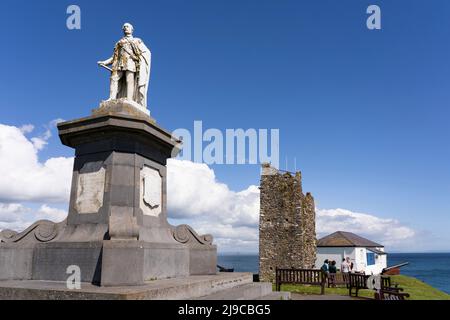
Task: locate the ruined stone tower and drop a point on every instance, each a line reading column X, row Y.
column 287, row 227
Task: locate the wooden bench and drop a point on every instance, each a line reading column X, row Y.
column 385, row 294
column 338, row 280
column 388, row 290
column 300, row 276
column 356, row 282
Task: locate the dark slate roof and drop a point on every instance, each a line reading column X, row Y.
column 346, row 239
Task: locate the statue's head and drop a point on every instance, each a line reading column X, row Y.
column 127, row 29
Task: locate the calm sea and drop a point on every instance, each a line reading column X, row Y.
column 432, row 268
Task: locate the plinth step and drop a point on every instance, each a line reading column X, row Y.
column 170, row 289
column 277, row 296
column 249, row 291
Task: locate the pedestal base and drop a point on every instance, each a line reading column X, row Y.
column 109, row 263
column 134, row 262
column 116, row 231
column 191, row 287
column 51, row 260
column 121, row 106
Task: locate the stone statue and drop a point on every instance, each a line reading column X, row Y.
column 130, row 68
column 117, row 227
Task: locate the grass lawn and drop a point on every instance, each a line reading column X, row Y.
column 417, row 289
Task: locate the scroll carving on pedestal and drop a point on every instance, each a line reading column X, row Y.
column 40, row 231
column 186, row 235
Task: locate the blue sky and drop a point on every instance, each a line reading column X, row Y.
column 365, row 113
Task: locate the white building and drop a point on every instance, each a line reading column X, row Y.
column 367, row 256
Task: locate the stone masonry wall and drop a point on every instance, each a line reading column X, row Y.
column 287, row 232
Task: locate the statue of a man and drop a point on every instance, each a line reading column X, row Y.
column 130, row 68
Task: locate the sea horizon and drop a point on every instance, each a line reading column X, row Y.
column 389, row 252
column 429, row 267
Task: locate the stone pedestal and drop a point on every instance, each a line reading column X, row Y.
column 224, row 286
column 116, row 230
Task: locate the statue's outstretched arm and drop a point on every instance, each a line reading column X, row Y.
column 106, row 62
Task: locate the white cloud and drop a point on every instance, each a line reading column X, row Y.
column 53, row 214
column 27, row 128
column 389, row 232
column 16, row 216
column 232, row 217
column 211, row 207
column 23, row 176
column 13, row 216
column 39, row 143
column 193, row 191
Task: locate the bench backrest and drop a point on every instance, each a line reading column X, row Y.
column 340, row 278
column 358, row 280
column 391, row 295
column 299, row 276
column 386, row 282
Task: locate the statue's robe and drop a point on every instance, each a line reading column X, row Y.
column 141, row 70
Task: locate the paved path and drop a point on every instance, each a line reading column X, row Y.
column 297, row 296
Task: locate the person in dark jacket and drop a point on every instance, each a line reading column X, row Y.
column 325, row 267
column 332, row 276
column 325, row 272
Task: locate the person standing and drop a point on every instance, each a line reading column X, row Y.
column 345, row 269
column 350, row 264
column 325, row 273
column 345, row 266
column 332, row 277
column 325, row 267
